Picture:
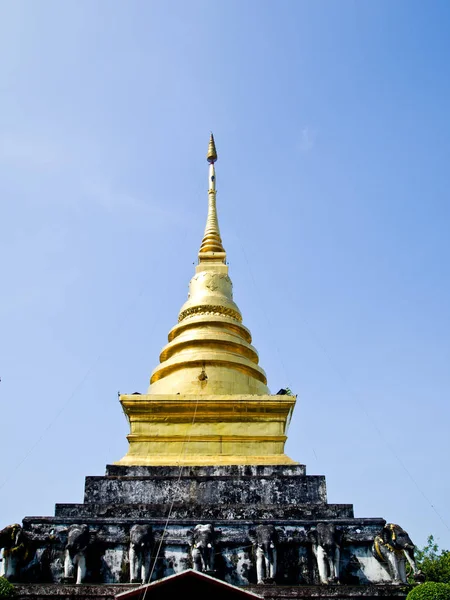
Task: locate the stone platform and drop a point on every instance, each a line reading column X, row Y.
column 234, row 500
column 269, row 592
column 237, row 492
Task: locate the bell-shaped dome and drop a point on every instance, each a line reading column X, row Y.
column 209, row 350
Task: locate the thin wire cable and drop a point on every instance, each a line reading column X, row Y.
column 79, row 385
column 371, row 420
column 349, row 393
column 49, row 426
column 263, row 307
column 183, row 450
column 72, row 395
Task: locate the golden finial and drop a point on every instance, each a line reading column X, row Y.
column 212, row 242
column 211, row 157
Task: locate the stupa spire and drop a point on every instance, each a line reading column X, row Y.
column 208, row 402
column 209, row 350
column 212, row 242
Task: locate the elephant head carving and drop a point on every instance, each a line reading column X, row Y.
column 393, row 547
column 141, row 541
column 75, row 555
column 326, row 545
column 201, row 540
column 16, row 550
column 264, row 539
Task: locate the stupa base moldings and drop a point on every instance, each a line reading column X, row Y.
column 182, row 429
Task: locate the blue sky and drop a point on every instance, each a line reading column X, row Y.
column 333, row 131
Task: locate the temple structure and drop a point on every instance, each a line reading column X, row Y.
column 205, row 489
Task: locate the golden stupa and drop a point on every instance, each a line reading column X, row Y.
column 208, row 402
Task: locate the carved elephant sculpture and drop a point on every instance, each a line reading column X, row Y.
column 202, row 547
column 264, row 539
column 394, row 547
column 16, row 551
column 75, row 553
column 141, row 541
column 326, row 547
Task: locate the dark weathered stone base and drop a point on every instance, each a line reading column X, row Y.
column 207, row 486
column 42, row 591
column 269, row 592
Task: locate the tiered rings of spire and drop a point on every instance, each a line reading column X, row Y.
column 209, row 350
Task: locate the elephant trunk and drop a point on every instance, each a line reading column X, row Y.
column 409, row 554
column 267, row 548
column 17, row 537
